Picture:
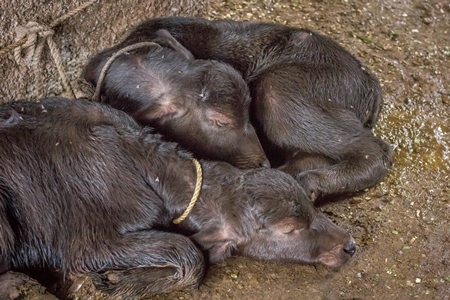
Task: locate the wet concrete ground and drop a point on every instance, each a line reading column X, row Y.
column 402, row 225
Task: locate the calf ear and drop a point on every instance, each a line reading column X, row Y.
column 164, row 37
column 162, row 109
column 215, row 243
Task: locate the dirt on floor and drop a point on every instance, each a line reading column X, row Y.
column 402, row 225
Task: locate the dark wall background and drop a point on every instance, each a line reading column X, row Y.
column 101, row 25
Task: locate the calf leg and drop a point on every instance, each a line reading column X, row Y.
column 300, row 162
column 342, row 154
column 146, row 263
column 364, row 165
column 143, row 281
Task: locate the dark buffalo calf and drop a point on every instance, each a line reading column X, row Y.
column 313, row 106
column 85, row 190
column 200, row 104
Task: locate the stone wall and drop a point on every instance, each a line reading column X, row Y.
column 101, row 25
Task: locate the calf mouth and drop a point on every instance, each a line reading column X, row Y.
column 339, row 255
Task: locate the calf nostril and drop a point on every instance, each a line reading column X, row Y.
column 350, row 248
column 265, row 164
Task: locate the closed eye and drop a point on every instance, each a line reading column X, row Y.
column 294, row 231
column 222, row 124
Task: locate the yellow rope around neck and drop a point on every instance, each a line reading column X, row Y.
column 194, row 198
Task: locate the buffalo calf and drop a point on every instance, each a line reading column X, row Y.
column 85, row 190
column 313, row 103
column 200, row 104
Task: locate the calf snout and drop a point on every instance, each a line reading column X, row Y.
column 245, row 150
column 350, row 247
column 335, row 246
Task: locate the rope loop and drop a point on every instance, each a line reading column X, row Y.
column 24, row 54
column 29, row 44
column 96, row 97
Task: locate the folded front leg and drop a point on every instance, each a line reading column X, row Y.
column 362, row 164
column 145, row 263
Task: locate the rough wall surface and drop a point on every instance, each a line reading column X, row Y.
column 100, row 25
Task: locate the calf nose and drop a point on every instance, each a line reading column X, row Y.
column 265, row 164
column 350, row 248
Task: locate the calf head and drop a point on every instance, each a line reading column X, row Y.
column 277, row 221
column 201, row 104
column 214, row 122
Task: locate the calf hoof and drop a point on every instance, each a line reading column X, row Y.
column 265, row 164
column 309, row 181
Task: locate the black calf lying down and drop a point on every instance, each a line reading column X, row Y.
column 200, row 104
column 313, row 103
column 84, row 189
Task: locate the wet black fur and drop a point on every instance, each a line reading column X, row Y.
column 85, row 190
column 313, row 103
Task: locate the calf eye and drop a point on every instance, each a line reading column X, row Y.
column 222, row 124
column 294, row 231
column 289, row 231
